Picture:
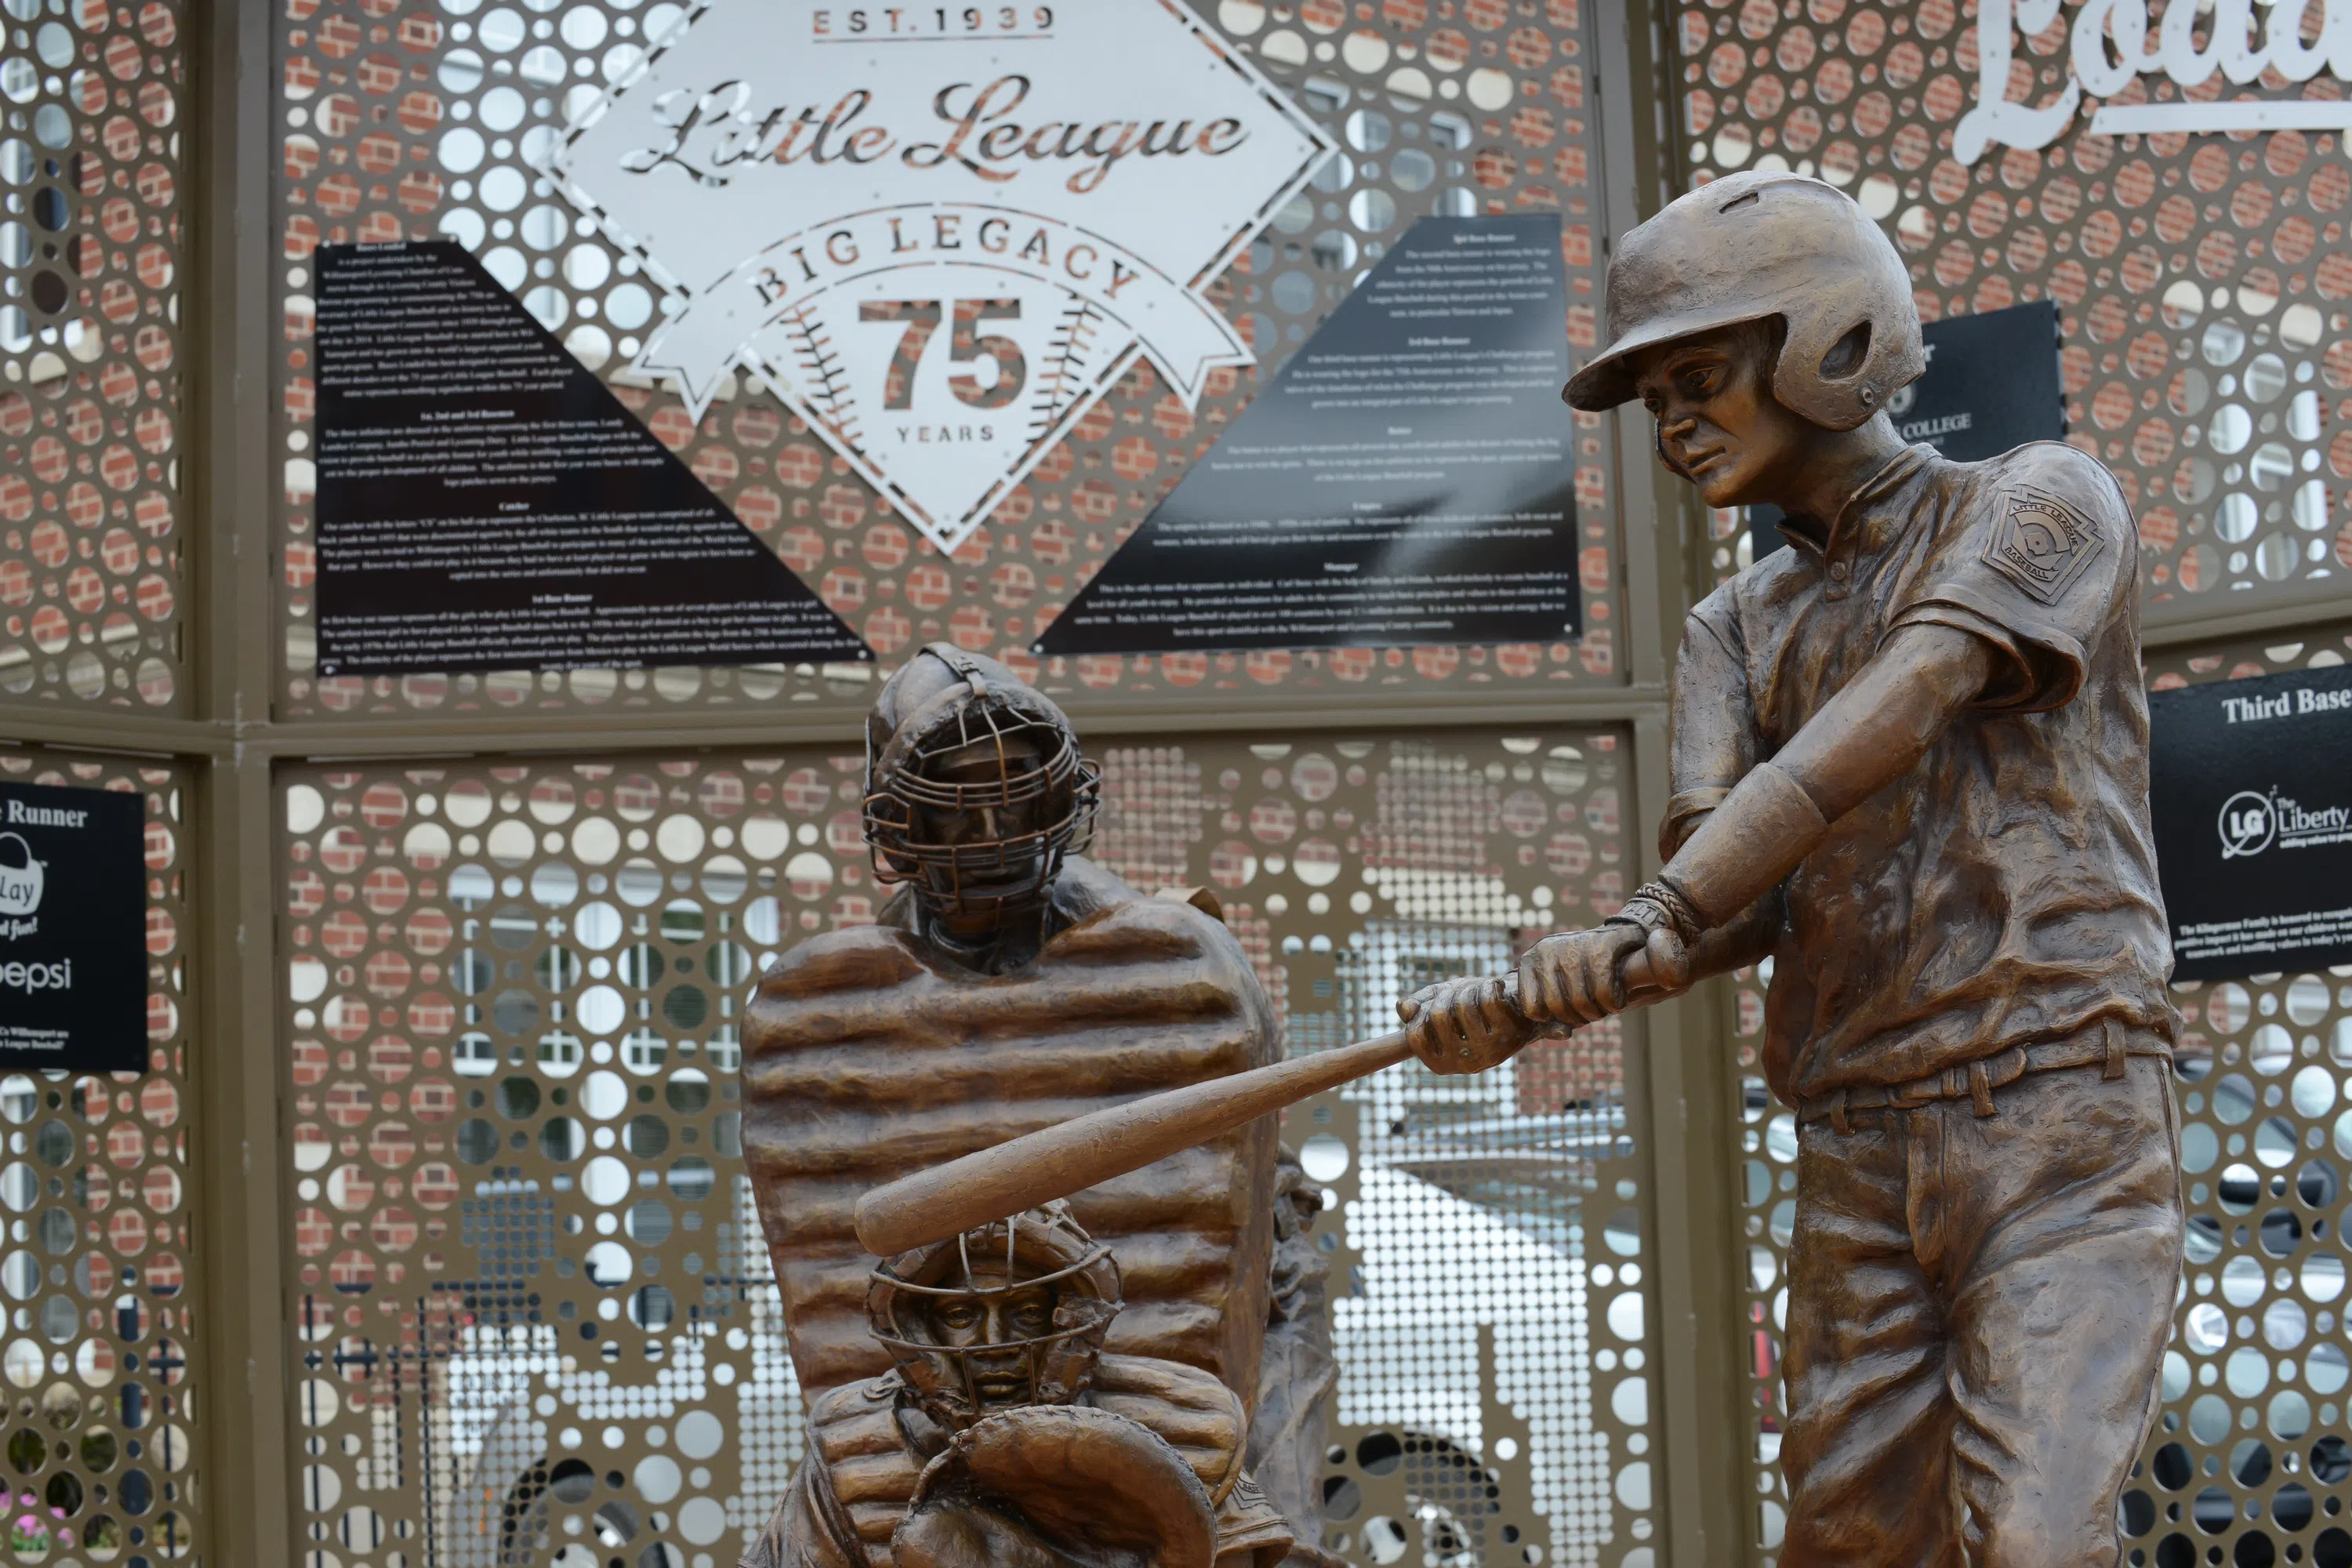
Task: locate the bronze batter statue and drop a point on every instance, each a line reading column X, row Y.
column 1909, row 765
column 1003, row 1438
column 1009, row 984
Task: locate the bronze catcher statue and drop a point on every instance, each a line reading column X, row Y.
column 1009, row 984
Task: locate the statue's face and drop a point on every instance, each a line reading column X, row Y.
column 1718, row 424
column 992, row 1317
column 965, row 891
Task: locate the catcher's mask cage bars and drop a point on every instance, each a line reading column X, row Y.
column 985, row 719
column 1034, row 1349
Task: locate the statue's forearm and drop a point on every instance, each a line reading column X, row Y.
column 1871, row 733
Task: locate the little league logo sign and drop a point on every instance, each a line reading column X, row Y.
column 938, row 232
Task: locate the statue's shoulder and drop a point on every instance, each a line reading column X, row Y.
column 1170, row 1384
column 856, row 1420
column 1719, row 610
column 1119, row 954
column 855, row 958
column 2058, row 472
column 1753, row 597
column 1085, row 888
column 1105, row 919
column 1093, row 905
column 836, row 986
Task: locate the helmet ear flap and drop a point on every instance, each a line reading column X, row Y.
column 1837, row 370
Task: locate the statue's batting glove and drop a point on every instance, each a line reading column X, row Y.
column 1463, row 1026
column 1579, row 978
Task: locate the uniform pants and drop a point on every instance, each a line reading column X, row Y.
column 1978, row 1309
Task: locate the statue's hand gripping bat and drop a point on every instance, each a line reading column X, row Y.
column 1054, row 1162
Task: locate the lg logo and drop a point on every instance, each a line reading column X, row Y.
column 2248, row 825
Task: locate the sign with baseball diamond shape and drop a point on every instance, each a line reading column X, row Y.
column 938, row 232
column 2040, row 542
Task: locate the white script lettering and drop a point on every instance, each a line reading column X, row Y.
column 2110, row 48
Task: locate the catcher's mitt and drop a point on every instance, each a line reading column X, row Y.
column 1050, row 1485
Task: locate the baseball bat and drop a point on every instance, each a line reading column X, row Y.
column 1054, row 1162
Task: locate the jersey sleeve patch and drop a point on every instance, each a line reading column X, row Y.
column 2040, row 542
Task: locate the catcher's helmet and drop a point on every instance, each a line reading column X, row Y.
column 974, row 786
column 1757, row 245
column 907, row 1295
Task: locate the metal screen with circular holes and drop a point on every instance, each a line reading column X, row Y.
column 92, row 565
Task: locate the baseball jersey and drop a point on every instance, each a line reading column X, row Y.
column 2004, row 889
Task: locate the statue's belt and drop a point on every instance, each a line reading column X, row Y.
column 2104, row 1043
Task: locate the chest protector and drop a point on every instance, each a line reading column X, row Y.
column 866, row 1056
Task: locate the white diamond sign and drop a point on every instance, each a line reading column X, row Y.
column 938, row 233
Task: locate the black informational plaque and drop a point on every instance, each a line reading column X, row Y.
column 1408, row 478
column 485, row 503
column 1991, row 385
column 73, row 928
column 2250, row 783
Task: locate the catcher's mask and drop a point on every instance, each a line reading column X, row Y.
column 981, row 1282
column 1755, row 245
column 974, row 787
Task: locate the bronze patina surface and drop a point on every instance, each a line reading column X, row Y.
column 1004, row 1436
column 1909, row 760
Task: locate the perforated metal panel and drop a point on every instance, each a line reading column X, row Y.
column 91, row 557
column 415, row 120
column 99, row 1381
column 536, row 1318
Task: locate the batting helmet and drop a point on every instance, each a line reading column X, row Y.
column 1757, row 245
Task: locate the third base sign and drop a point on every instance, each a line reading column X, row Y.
column 938, row 232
